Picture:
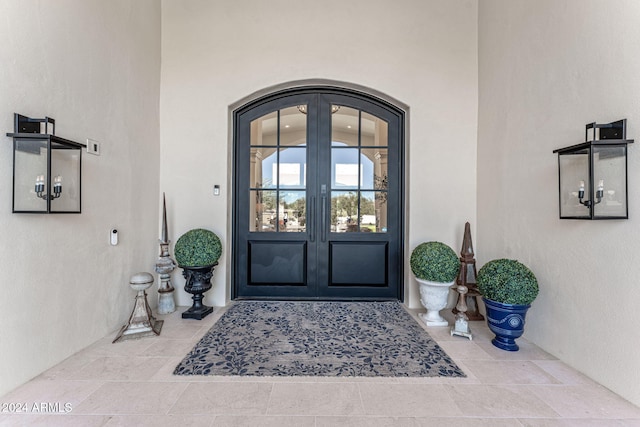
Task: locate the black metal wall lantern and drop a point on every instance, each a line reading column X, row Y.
column 593, row 175
column 46, row 168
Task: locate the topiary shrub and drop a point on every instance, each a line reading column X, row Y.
column 507, row 281
column 435, row 262
column 198, row 248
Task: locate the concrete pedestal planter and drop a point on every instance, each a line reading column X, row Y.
column 434, row 297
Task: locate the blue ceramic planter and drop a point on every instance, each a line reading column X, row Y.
column 507, row 322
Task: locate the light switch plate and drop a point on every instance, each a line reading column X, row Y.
column 93, row 147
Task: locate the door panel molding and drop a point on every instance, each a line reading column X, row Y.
column 349, row 263
column 277, row 262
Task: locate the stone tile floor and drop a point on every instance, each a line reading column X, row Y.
column 130, row 383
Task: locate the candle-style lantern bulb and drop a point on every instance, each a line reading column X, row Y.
column 57, row 185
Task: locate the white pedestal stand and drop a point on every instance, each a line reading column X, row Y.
column 461, row 326
column 141, row 323
column 164, row 266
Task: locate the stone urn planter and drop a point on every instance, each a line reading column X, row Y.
column 434, row 297
column 197, row 253
column 436, row 267
column 508, row 289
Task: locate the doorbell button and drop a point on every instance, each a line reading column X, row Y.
column 114, row 237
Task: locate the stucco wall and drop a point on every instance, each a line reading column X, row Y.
column 422, row 53
column 547, row 68
column 94, row 66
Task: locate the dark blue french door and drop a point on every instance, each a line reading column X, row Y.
column 318, row 197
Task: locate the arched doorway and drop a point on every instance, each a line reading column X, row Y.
column 318, row 196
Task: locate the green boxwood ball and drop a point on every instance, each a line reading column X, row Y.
column 198, row 248
column 507, row 281
column 435, row 262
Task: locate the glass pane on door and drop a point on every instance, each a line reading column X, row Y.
column 345, row 171
column 373, row 211
column 374, row 131
column 263, row 210
column 292, row 167
column 293, row 210
column 264, row 130
column 293, row 127
column 344, row 125
column 375, row 174
column 344, row 211
column 261, row 169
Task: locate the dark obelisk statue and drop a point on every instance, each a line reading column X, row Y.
column 467, row 307
column 467, row 276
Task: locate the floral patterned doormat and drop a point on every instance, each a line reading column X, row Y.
column 363, row 339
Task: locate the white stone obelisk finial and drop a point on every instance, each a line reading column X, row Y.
column 164, row 266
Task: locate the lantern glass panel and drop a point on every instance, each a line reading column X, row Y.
column 65, row 165
column 30, row 162
column 610, row 176
column 574, row 172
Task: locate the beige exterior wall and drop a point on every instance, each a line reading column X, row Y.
column 94, row 66
column 547, row 68
column 422, row 53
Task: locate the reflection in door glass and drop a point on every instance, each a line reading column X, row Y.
column 293, row 167
column 373, row 209
column 292, row 209
column 344, row 211
column 374, row 131
column 364, row 211
column 374, row 168
column 264, row 130
column 263, row 160
column 344, row 125
column 293, row 127
column 263, row 210
column 344, row 167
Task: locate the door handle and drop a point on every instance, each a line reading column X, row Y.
column 324, row 218
column 310, row 220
